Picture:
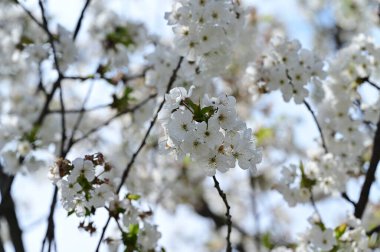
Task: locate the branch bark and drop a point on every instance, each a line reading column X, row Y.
column 370, row 176
column 8, row 211
column 228, row 215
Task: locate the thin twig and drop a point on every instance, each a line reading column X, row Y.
column 30, row 14
column 318, row 125
column 49, row 236
column 63, row 120
column 131, row 110
column 79, row 23
column 79, row 120
column 371, row 83
column 103, row 233
column 345, row 196
column 81, row 110
column 315, row 206
column 51, row 37
column 228, row 215
column 172, row 79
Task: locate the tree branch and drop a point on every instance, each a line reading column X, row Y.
column 172, row 79
column 318, row 125
column 108, row 121
column 345, row 196
column 228, row 215
column 30, row 14
column 79, row 23
column 8, row 211
column 63, row 120
column 370, row 176
column 50, row 236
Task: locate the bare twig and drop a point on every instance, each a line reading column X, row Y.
column 30, row 14
column 78, row 121
column 228, row 215
column 103, row 233
column 51, row 38
column 108, row 121
column 345, row 196
column 318, row 125
column 50, row 236
column 371, row 83
column 81, row 110
column 79, row 23
column 124, row 176
column 63, row 120
column 315, row 206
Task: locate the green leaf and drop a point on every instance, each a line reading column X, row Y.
column 130, row 238
column 121, row 104
column 339, row 230
column 120, row 35
column 264, row 134
column 194, row 107
column 266, row 241
column 84, row 183
column 131, row 196
column 70, row 212
column 31, row 136
column 24, row 41
column 305, row 181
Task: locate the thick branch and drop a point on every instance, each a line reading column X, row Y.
column 8, row 211
column 370, row 176
column 228, row 215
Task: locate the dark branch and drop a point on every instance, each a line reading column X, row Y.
column 318, row 125
column 78, row 121
column 50, row 235
column 30, row 14
column 103, row 233
column 370, row 176
column 79, row 23
column 131, row 110
column 228, row 215
column 172, row 79
column 8, row 211
column 51, row 38
column 374, row 230
column 345, row 196
column 81, row 110
column 63, row 120
column 371, row 83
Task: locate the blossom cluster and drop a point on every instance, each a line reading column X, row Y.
column 83, row 183
column 288, row 67
column 324, row 175
column 204, row 30
column 17, row 155
column 137, row 231
column 346, row 110
column 349, row 236
column 209, row 132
